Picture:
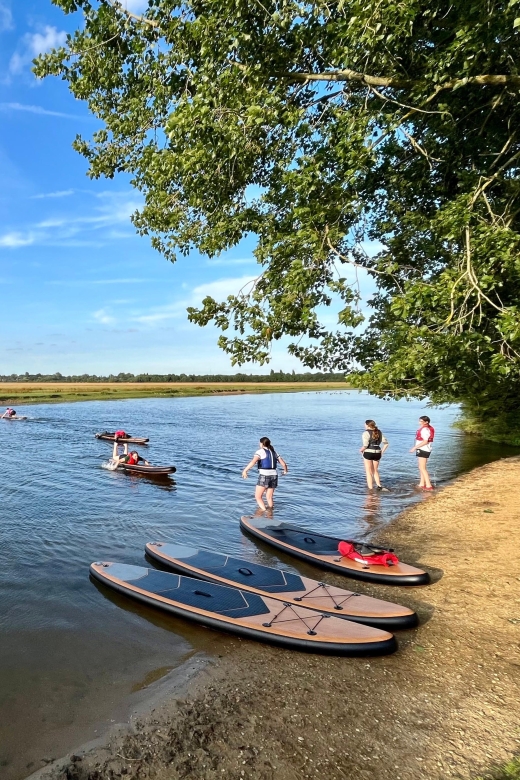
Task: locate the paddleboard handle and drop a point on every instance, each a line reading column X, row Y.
column 245, row 572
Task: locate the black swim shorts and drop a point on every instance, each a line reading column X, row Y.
column 268, row 480
column 422, row 454
column 372, row 455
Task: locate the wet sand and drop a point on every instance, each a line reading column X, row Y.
column 445, row 705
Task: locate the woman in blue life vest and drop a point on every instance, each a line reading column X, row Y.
column 374, row 444
column 422, row 448
column 266, row 459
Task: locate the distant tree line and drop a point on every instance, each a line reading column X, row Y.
column 273, row 376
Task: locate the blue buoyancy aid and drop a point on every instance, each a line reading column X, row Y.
column 270, row 460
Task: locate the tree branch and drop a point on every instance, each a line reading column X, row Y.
column 398, row 83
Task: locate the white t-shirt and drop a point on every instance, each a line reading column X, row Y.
column 262, row 453
column 365, row 438
column 423, row 443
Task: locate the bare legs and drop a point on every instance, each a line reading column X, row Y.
column 259, row 495
column 372, row 473
column 424, row 477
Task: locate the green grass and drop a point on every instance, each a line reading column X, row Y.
column 510, row 771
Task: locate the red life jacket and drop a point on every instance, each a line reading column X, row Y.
column 133, row 460
column 120, row 435
column 384, row 558
column 431, row 429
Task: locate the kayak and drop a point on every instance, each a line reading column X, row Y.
column 243, row 613
column 281, row 585
column 323, row 551
column 16, row 417
column 106, row 436
column 152, row 470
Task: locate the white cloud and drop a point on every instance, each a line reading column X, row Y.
column 33, row 44
column 135, row 6
column 231, row 261
column 6, row 17
column 221, row 288
column 14, row 240
column 59, row 194
column 38, row 110
column 103, row 317
column 82, row 282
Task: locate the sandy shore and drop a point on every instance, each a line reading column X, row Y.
column 445, row 705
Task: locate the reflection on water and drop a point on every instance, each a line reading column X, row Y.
column 70, row 651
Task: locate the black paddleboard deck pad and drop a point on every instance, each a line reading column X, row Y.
column 323, row 551
column 281, row 585
column 246, row 614
column 107, row 436
column 156, row 471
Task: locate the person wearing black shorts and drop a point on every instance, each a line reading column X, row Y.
column 423, row 449
column 374, row 443
column 266, row 459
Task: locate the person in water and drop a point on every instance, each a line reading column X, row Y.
column 132, row 458
column 374, row 444
column 266, row 459
column 422, row 448
column 9, row 413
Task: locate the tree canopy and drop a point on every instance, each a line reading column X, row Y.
column 318, row 127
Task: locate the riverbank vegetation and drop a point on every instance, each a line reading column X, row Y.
column 352, row 139
column 274, row 376
column 58, row 392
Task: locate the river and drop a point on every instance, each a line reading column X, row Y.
column 70, row 653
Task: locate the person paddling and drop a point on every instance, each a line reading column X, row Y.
column 9, row 413
column 423, row 447
column 132, row 458
column 266, row 459
column 374, row 444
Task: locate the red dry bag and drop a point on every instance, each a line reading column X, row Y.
column 384, row 558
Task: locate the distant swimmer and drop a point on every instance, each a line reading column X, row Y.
column 9, row 413
column 266, row 459
column 374, row 444
column 422, row 448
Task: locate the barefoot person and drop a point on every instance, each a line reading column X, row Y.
column 374, row 445
column 266, row 459
column 423, row 447
column 132, row 458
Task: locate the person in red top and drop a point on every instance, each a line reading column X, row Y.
column 132, row 458
column 422, row 448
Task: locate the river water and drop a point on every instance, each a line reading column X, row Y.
column 70, row 652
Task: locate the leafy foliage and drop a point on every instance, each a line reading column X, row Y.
column 318, row 126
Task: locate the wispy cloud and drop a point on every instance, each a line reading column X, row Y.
column 135, row 6
column 103, row 317
column 83, row 282
column 42, row 112
column 6, row 17
column 59, row 194
column 33, row 44
column 15, row 240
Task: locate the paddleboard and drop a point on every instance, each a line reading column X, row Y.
column 323, row 551
column 281, row 585
column 16, row 417
column 142, row 469
column 243, row 613
column 106, row 436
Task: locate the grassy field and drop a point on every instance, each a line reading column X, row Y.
column 17, row 393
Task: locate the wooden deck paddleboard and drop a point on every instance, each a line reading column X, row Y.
column 323, row 551
column 281, row 585
column 107, row 436
column 138, row 468
column 244, row 613
column 16, row 417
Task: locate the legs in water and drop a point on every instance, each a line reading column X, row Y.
column 269, row 493
column 375, row 466
column 369, row 473
column 259, row 495
column 424, row 480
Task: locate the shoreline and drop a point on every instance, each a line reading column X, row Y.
column 25, row 394
column 445, row 705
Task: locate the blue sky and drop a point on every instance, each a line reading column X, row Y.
column 81, row 292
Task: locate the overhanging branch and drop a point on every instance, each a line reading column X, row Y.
column 398, row 83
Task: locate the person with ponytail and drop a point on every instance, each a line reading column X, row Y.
column 266, row 459
column 422, row 448
column 374, row 445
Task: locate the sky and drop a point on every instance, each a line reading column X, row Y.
column 80, row 290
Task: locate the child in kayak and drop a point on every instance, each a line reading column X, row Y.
column 374, row 443
column 422, row 449
column 266, row 458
